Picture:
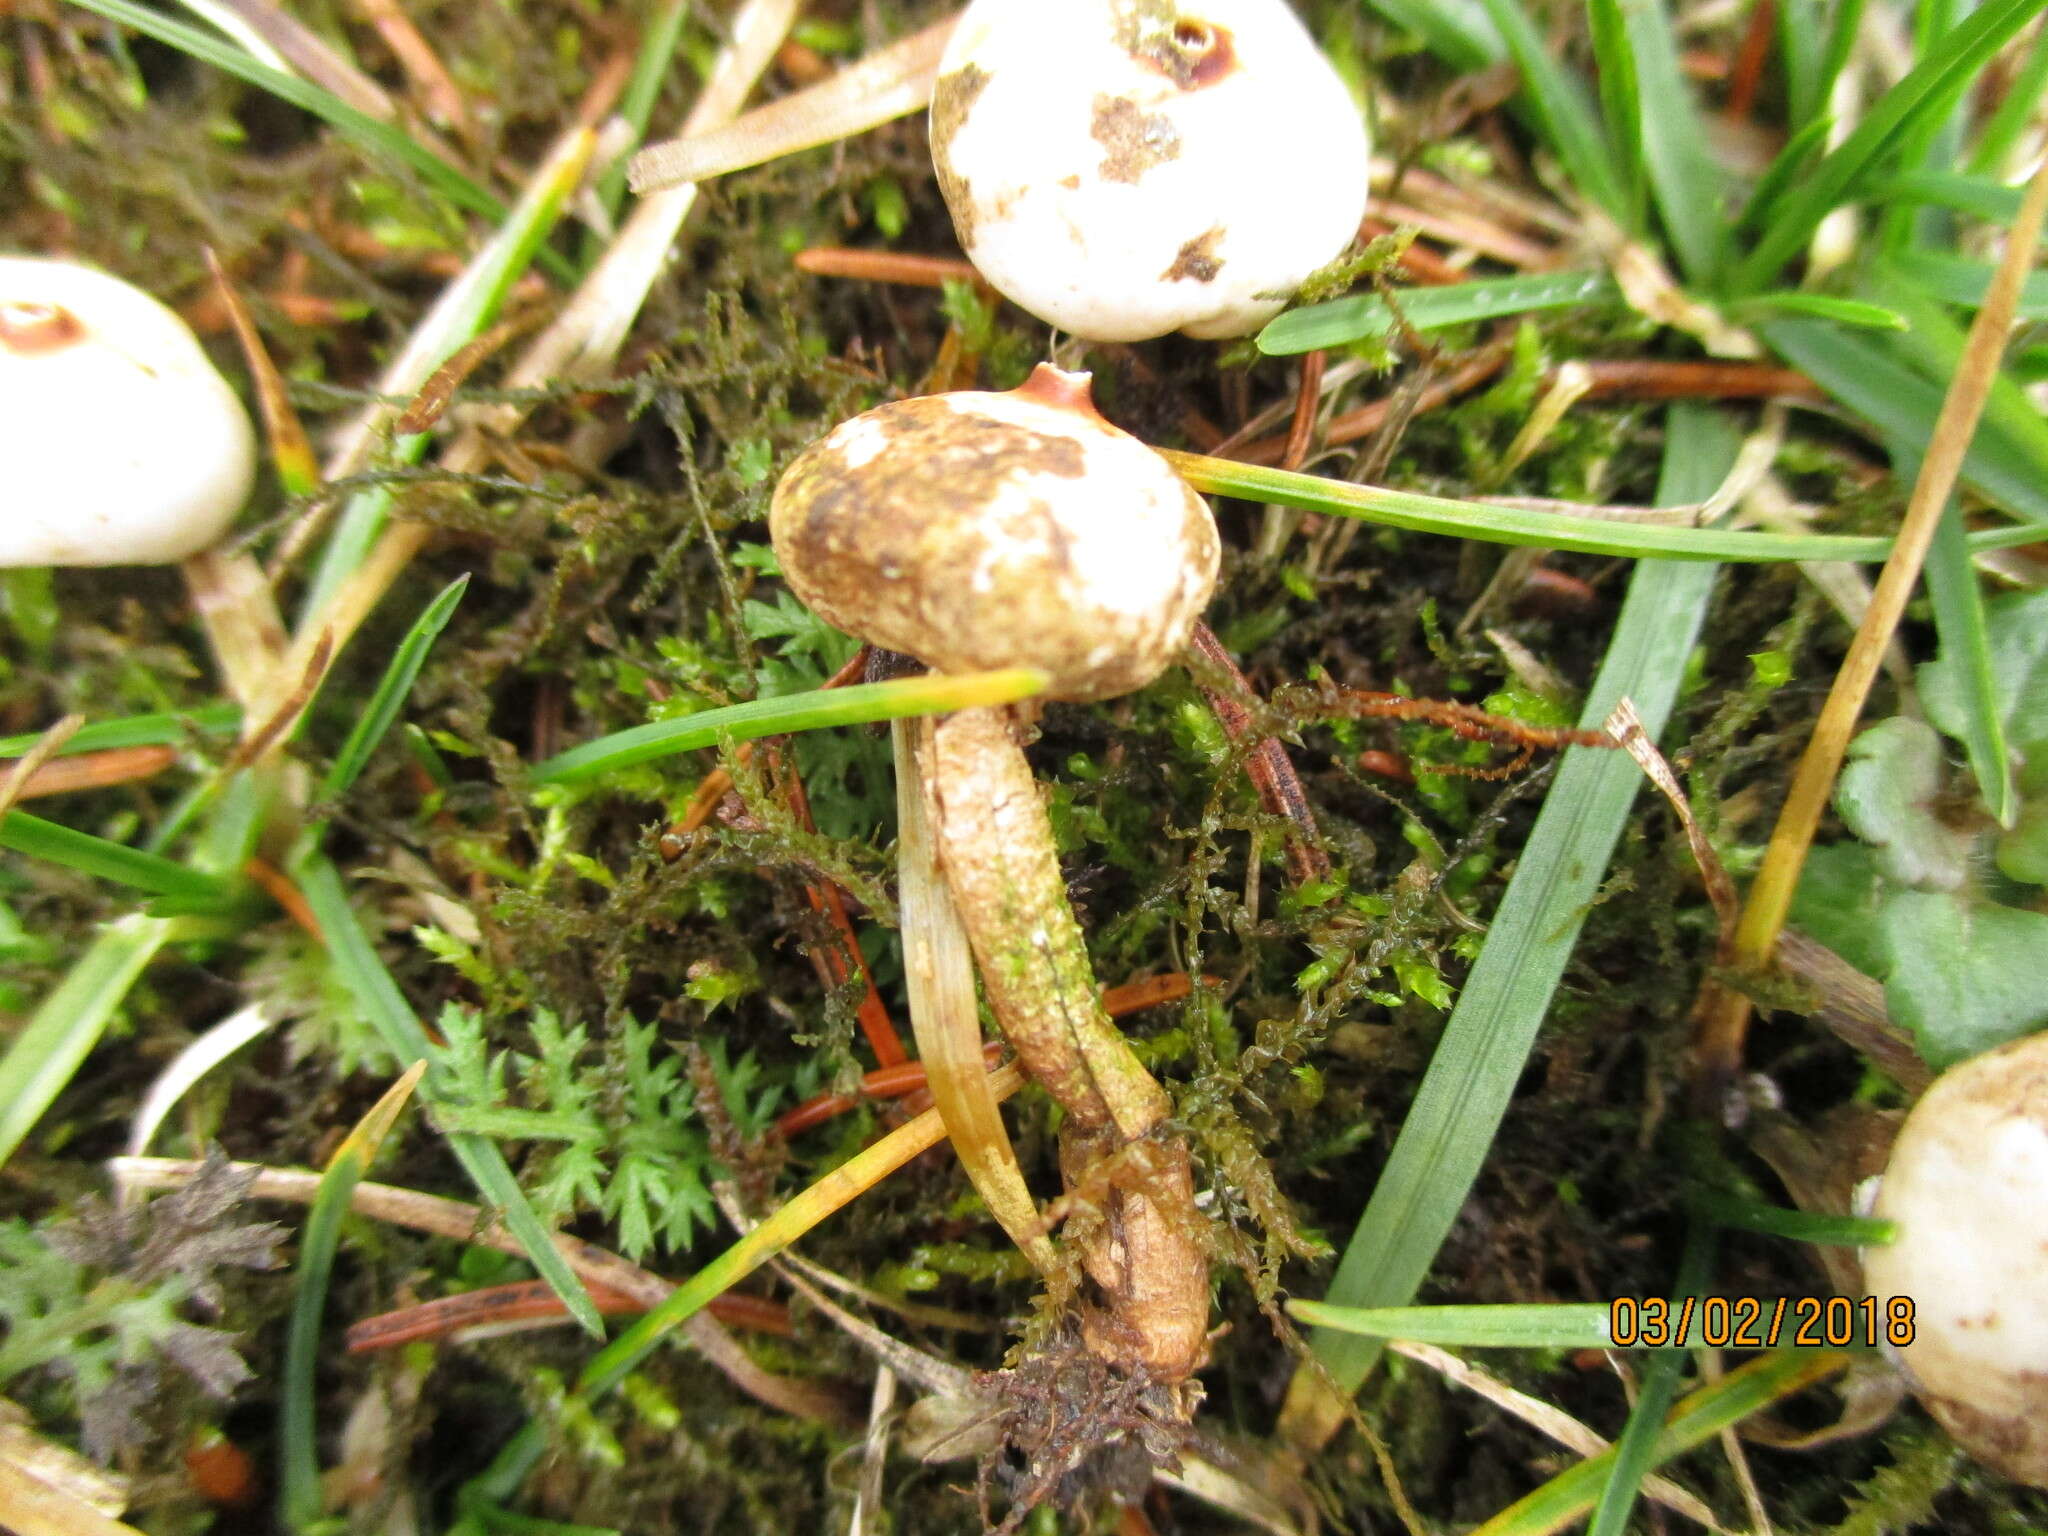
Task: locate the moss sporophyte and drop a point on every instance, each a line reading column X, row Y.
column 973, row 530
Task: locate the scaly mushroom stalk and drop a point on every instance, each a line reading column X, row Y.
column 964, row 528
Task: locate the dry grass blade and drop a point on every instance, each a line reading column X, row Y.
column 890, row 83
column 467, row 1223
column 22, row 771
column 1552, row 1421
column 938, row 971
column 1723, row 1012
column 92, row 770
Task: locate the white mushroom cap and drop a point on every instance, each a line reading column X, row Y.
column 1968, row 1185
column 1020, row 529
column 1125, row 168
column 123, row 446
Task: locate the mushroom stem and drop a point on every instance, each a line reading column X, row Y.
column 998, row 850
column 1131, row 1182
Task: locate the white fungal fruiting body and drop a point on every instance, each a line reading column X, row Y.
column 123, row 446
column 1125, row 168
column 1967, row 1183
column 976, row 531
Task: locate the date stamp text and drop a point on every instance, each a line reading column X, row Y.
column 1760, row 1322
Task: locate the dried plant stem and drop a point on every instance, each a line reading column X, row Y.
column 1144, row 1247
column 890, row 83
column 1722, row 1013
column 938, row 974
column 469, row 1224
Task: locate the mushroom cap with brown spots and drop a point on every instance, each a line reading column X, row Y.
column 1125, row 168
column 976, row 531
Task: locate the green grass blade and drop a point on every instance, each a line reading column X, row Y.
column 299, row 1502
column 107, row 860
column 1621, row 105
column 1486, row 1042
column 51, row 1047
column 1785, row 169
column 1342, row 321
column 1702, row 1415
column 166, row 730
column 785, row 1225
column 1978, row 196
column 392, row 691
column 367, row 131
column 464, row 308
column 1565, row 1325
column 363, row 974
column 1957, row 599
column 858, row 705
column 1926, row 94
column 2023, row 98
column 1843, row 27
column 1867, row 374
column 1799, row 54
column 653, row 61
column 1525, row 526
column 1958, row 280
column 1457, row 31
column 1562, row 113
column 1634, row 1452
column 1691, row 193
column 1728, row 1210
column 1821, row 306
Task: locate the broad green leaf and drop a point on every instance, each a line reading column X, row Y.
column 1965, row 975
column 1838, row 903
column 1887, row 792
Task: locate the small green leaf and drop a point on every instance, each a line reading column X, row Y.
column 1838, row 903
column 1888, row 787
column 1965, row 975
column 1354, row 319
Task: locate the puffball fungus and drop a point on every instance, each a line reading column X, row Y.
column 1125, row 168
column 1967, row 1184
column 124, row 447
column 1020, row 529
